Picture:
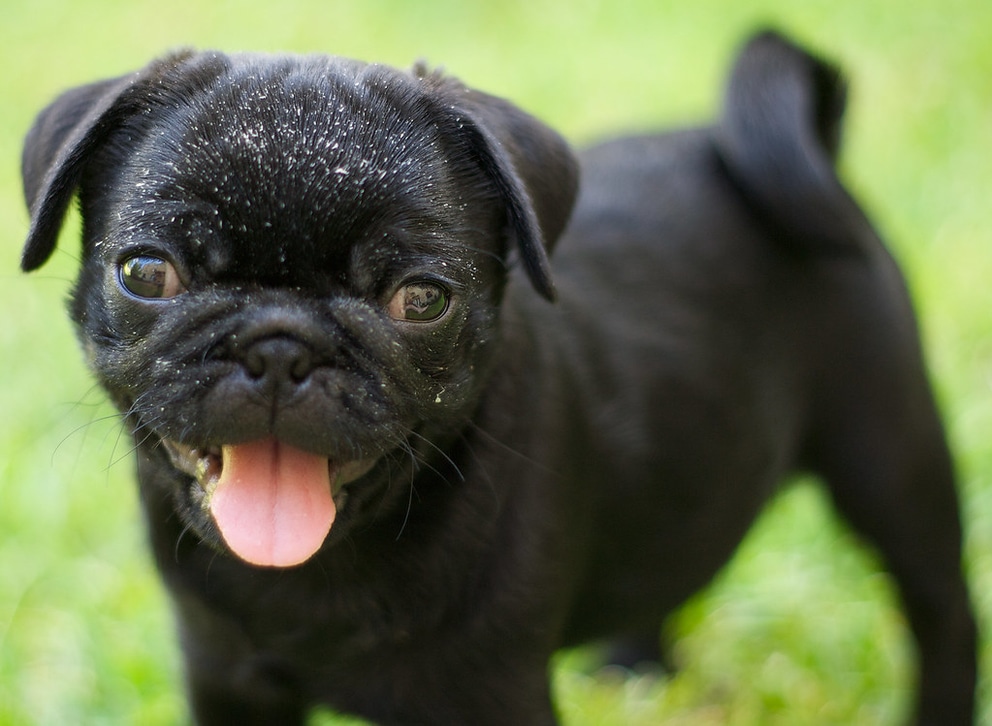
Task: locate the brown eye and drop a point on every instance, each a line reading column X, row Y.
column 150, row 277
column 419, row 302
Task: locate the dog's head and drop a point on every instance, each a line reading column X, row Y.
column 291, row 272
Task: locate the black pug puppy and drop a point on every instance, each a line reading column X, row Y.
column 382, row 471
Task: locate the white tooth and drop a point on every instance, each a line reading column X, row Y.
column 207, row 471
column 202, row 467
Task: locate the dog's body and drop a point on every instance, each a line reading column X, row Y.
column 277, row 267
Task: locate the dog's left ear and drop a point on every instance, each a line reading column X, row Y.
column 532, row 167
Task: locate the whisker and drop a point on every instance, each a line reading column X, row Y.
column 443, row 454
column 144, row 428
column 409, row 507
column 82, row 427
column 509, row 449
column 138, row 443
column 179, row 539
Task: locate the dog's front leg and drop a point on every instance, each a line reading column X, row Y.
column 228, row 684
column 216, row 699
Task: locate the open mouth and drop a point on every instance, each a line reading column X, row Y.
column 273, row 503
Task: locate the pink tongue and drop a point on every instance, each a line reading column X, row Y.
column 273, row 502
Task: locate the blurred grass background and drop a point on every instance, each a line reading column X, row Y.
column 802, row 627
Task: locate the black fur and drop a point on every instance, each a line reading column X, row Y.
column 545, row 475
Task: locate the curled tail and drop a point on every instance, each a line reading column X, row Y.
column 779, row 136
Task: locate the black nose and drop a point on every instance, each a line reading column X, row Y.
column 278, row 361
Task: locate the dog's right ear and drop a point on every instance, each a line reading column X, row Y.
column 56, row 150
column 63, row 139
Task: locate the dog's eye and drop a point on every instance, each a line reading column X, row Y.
column 419, row 302
column 150, row 277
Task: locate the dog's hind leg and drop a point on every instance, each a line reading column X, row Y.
column 882, row 452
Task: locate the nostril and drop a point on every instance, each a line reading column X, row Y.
column 255, row 363
column 300, row 370
column 280, row 359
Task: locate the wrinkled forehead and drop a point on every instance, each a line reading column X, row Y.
column 304, row 132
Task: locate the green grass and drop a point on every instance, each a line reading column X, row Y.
column 801, row 628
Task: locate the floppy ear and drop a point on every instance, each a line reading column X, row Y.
column 532, row 167
column 63, row 139
column 55, row 152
